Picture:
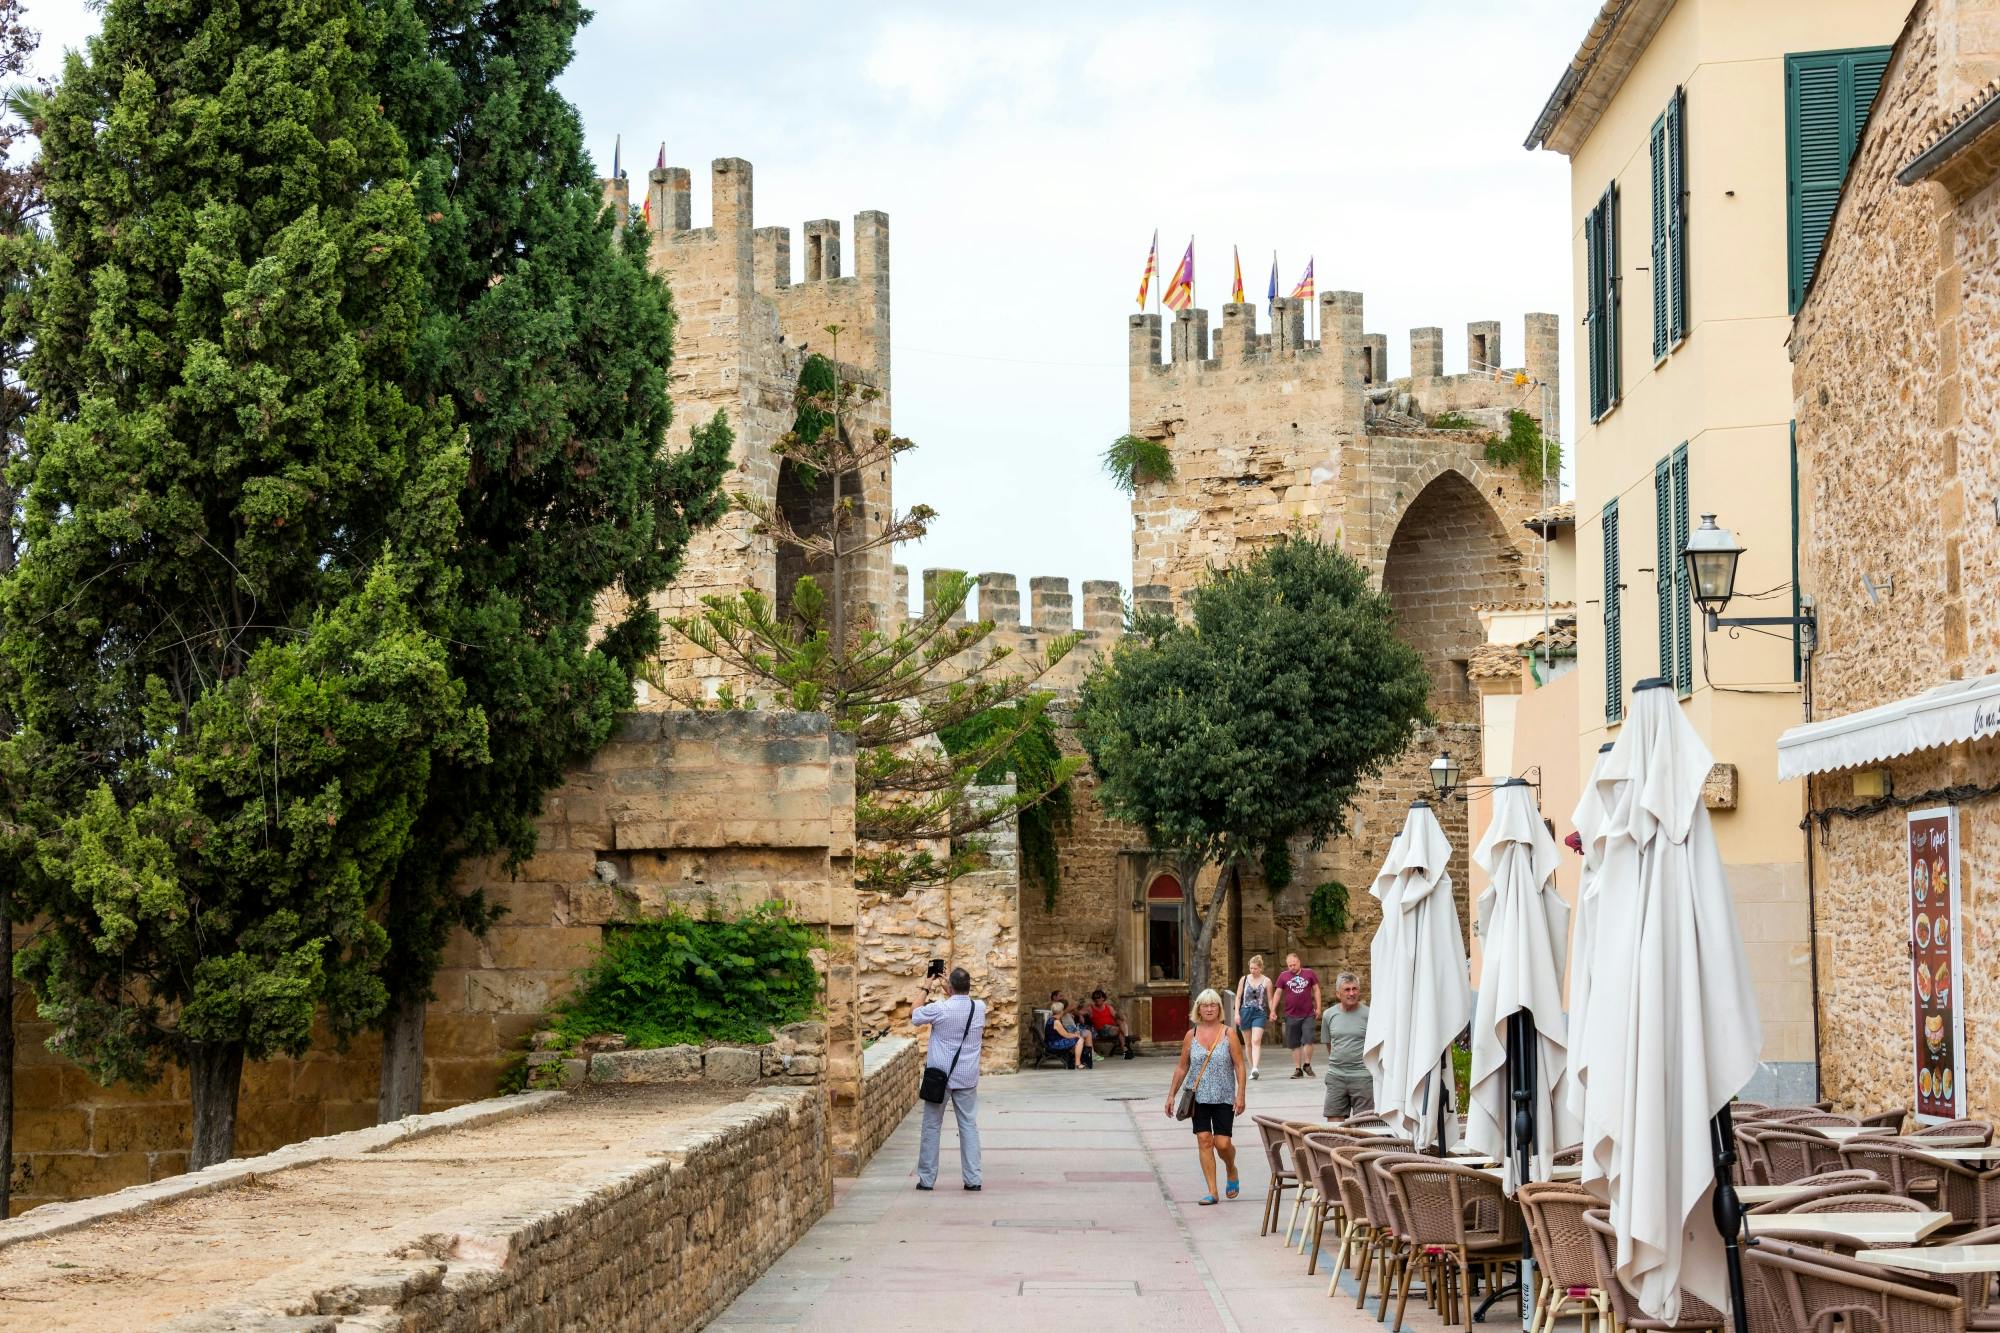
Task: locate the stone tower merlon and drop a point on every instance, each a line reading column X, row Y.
column 1426, row 353
column 1482, row 345
column 1375, row 358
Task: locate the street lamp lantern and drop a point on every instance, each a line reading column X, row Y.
column 1711, row 556
column 1444, row 774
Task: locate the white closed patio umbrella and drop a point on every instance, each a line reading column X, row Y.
column 1672, row 1029
column 1589, row 815
column 1420, row 1000
column 1519, row 1110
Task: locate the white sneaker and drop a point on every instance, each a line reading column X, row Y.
column 1253, row 1075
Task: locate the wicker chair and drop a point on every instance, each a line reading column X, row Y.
column 1817, row 1292
column 1958, row 1129
column 1401, row 1255
column 1750, row 1166
column 1892, row 1121
column 1358, row 1238
column 1313, row 1149
column 1745, row 1110
column 1790, row 1155
column 1568, row 1275
column 1857, row 1203
column 1825, row 1120
column 1806, row 1193
column 1787, row 1114
column 1295, row 1138
column 1907, row 1173
column 1696, row 1314
column 1440, row 1202
column 1272, row 1131
column 1570, row 1156
column 1381, row 1238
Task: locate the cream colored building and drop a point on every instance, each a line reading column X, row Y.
column 1707, row 140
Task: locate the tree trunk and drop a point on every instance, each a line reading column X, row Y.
column 215, row 1073
column 1205, row 922
column 402, row 1088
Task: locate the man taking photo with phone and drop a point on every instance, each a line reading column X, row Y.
column 951, row 1071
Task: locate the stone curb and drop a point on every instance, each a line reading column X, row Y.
column 56, row 1218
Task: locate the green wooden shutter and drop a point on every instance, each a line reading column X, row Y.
column 1683, row 672
column 1798, row 667
column 1677, row 286
column 1614, row 636
column 1613, row 320
column 1827, row 96
column 1663, row 559
column 1593, row 319
column 1657, row 152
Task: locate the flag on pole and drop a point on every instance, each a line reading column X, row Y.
column 1237, row 294
column 1180, row 292
column 1152, row 267
column 646, row 209
column 1273, row 296
column 660, row 162
column 617, row 147
column 1304, row 291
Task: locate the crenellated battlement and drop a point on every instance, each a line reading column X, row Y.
column 1052, row 611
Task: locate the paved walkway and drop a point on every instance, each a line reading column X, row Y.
column 1088, row 1221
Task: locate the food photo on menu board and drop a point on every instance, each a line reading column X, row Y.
column 1940, row 1026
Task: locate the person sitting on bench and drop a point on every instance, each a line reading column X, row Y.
column 1107, row 1024
column 1065, row 1038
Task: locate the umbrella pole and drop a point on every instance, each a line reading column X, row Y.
column 1444, row 1072
column 1519, row 1131
column 1729, row 1214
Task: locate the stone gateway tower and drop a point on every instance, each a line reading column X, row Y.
column 1271, row 432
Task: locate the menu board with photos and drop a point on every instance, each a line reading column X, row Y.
column 1934, row 969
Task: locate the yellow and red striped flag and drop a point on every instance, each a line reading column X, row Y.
column 1304, row 291
column 1180, row 292
column 1237, row 291
column 1152, row 267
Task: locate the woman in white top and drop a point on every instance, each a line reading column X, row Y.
column 1253, row 1008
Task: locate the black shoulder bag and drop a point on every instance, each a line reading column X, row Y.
column 935, row 1079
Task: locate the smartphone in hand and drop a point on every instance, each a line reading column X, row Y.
column 937, row 968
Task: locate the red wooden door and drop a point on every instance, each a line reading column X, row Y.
column 1170, row 1017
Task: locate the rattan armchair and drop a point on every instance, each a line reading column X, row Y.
column 1696, row 1314
column 1907, row 1173
column 1295, row 1137
column 1567, row 1274
column 1793, row 1154
column 1979, row 1129
column 1891, row 1121
column 1817, row 1292
column 1870, row 1188
column 1312, row 1154
column 1442, row 1203
column 1399, row 1248
column 1271, row 1131
column 1379, row 1246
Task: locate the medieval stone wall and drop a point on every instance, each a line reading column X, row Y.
column 891, row 1071
column 1896, row 380
column 693, row 810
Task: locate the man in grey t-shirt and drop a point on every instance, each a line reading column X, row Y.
column 1349, row 1089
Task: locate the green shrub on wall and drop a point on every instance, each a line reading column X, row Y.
column 1328, row 912
column 679, row 980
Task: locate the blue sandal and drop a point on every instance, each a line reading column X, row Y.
column 1233, row 1187
column 1206, row 1200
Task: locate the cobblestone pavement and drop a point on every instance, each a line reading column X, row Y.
column 1088, row 1221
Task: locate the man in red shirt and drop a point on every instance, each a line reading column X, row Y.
column 1298, row 994
column 1106, row 1023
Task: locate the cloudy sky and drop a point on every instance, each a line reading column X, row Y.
column 1026, row 152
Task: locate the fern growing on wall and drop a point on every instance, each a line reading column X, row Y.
column 1328, row 910
column 1133, row 460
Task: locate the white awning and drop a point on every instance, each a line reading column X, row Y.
column 1959, row 710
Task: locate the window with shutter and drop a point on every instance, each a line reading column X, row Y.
column 1614, row 655
column 1663, row 559
column 1612, row 317
column 1600, row 243
column 1593, row 318
column 1677, row 195
column 1657, row 143
column 1827, row 96
column 1683, row 672
column 1798, row 668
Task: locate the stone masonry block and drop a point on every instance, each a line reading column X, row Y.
column 736, row 1066
column 665, row 1064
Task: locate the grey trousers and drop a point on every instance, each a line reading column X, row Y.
column 1348, row 1094
column 965, row 1105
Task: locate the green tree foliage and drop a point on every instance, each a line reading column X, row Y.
column 1133, row 460
column 682, row 980
column 1254, row 723
column 1328, row 909
column 23, row 251
column 897, row 690
column 553, row 340
column 1524, row 449
column 217, row 643
column 1032, row 760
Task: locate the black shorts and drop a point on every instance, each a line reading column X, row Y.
column 1216, row 1118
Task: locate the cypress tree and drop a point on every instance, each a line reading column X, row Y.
column 546, row 328
column 235, row 524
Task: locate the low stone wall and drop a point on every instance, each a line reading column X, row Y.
column 891, row 1070
column 793, row 1058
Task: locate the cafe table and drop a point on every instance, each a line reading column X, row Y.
column 1861, row 1228
column 1958, row 1154
column 1561, row 1171
column 1842, row 1133
column 1942, row 1259
column 1748, row 1195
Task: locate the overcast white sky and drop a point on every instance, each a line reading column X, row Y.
column 1025, row 153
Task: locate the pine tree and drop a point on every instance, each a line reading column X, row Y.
column 234, row 529
column 553, row 340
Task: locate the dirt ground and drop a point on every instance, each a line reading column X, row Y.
column 273, row 1236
